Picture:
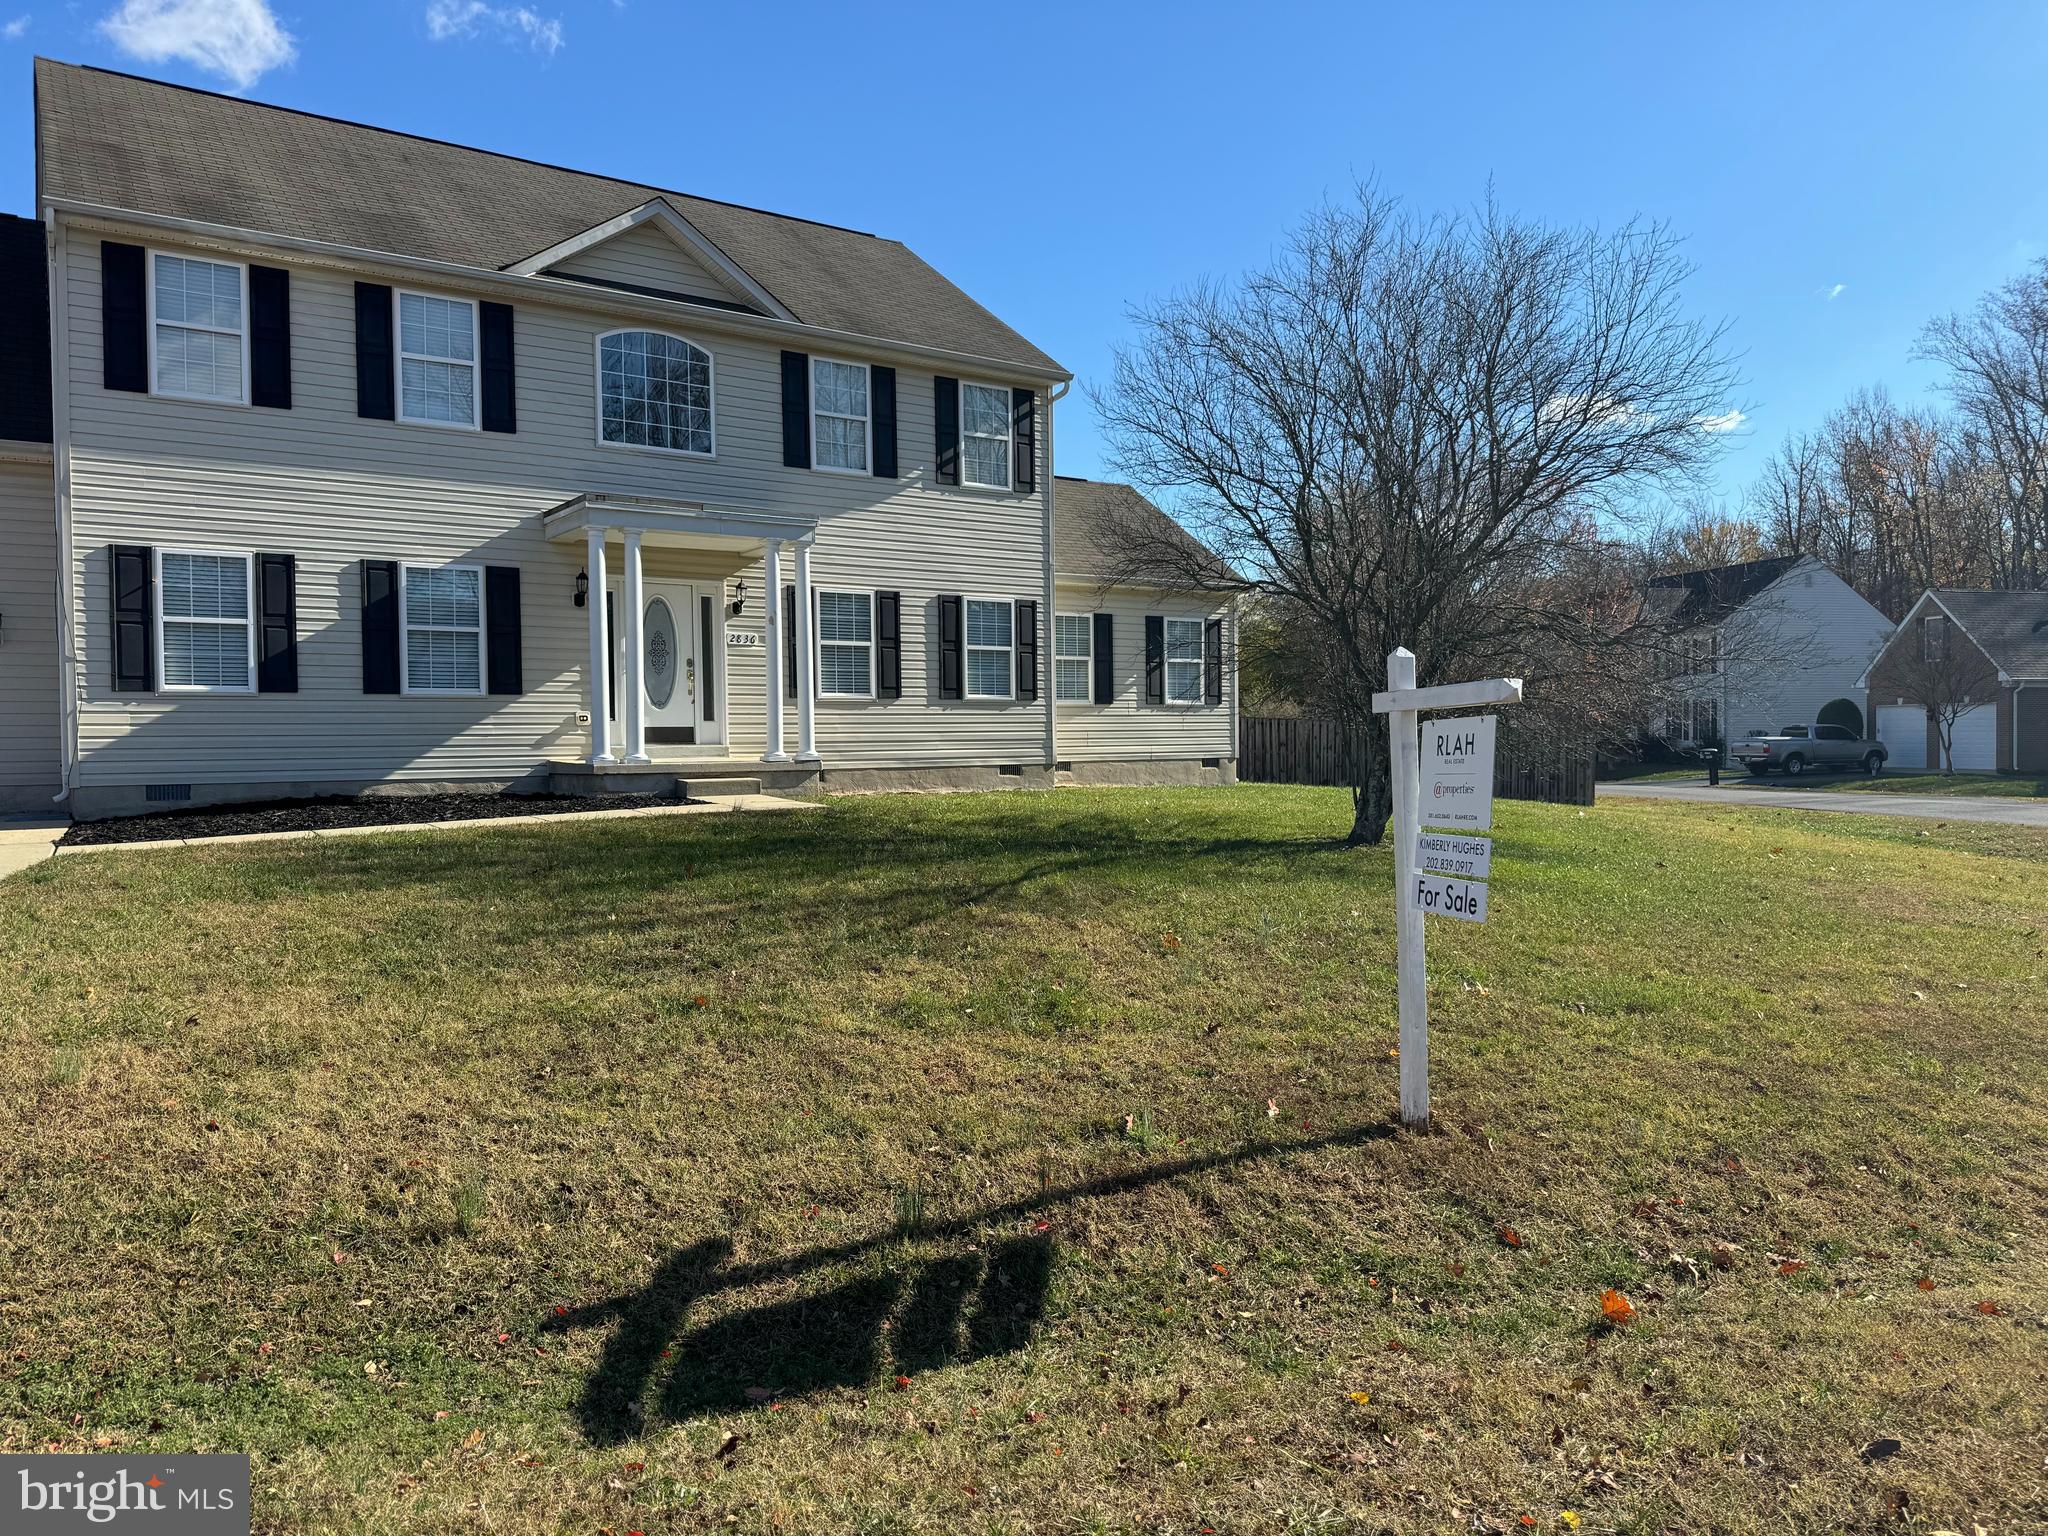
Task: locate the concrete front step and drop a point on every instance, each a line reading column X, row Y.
column 699, row 781
column 702, row 786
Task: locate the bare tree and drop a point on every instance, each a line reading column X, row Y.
column 1946, row 676
column 1404, row 432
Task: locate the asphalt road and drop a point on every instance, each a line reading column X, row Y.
column 1768, row 796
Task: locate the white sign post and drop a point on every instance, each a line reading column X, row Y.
column 1457, row 771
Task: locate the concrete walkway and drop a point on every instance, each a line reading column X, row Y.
column 27, row 840
column 711, row 805
column 2013, row 813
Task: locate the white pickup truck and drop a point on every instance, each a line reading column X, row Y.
column 1804, row 748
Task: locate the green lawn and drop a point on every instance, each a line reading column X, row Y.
column 1022, row 1162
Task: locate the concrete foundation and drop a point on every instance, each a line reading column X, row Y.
column 1138, row 774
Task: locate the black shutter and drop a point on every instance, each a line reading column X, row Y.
column 1155, row 659
column 124, row 318
column 946, row 414
column 888, row 645
column 949, row 648
column 1027, row 648
column 133, row 632
column 501, row 630
column 789, row 642
column 270, row 337
column 376, row 388
column 1024, row 437
column 707, row 613
column 796, row 410
column 1105, row 659
column 277, row 625
column 500, row 378
column 380, row 626
column 882, row 408
column 1212, row 661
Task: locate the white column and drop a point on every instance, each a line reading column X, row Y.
column 600, row 661
column 771, row 616
column 1406, row 744
column 806, row 656
column 632, row 684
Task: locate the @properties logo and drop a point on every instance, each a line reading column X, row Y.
column 122, row 1492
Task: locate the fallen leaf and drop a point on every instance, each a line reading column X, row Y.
column 1990, row 1309
column 902, row 1383
column 1722, row 1255
column 1509, row 1236
column 1791, row 1266
column 1925, row 1282
column 1220, row 1269
column 1360, row 1398
column 1568, row 1519
column 1616, row 1308
column 1272, row 1109
column 728, row 1446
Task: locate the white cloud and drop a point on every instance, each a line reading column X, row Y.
column 1835, row 291
column 14, row 29
column 237, row 39
column 513, row 23
column 1728, row 421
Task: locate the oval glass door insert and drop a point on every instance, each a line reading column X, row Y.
column 660, row 659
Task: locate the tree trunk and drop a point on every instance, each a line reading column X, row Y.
column 1372, row 784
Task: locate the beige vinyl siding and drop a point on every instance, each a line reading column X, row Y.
column 1128, row 729
column 28, row 632
column 332, row 489
column 647, row 256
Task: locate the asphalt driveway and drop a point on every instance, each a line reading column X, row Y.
column 2015, row 813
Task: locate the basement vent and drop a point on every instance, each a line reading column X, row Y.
column 1212, row 762
column 1062, row 767
column 167, row 792
column 1011, row 770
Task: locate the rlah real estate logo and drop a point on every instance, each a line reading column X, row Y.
column 144, row 1495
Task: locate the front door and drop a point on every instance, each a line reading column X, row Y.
column 669, row 667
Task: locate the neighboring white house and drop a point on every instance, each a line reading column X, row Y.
column 1763, row 645
column 368, row 461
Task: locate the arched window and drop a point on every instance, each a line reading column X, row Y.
column 654, row 391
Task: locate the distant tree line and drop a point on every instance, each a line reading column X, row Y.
column 1897, row 499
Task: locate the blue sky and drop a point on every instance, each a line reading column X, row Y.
column 1842, row 173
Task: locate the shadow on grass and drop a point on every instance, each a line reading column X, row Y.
column 969, row 1303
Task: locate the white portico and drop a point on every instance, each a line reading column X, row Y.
column 653, row 638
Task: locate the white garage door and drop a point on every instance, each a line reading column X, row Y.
column 1903, row 730
column 1976, row 740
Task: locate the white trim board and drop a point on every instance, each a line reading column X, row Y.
column 663, row 216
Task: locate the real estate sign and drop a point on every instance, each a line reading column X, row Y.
column 1462, row 899
column 1457, row 772
column 1446, row 853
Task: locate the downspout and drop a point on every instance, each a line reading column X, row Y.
column 1050, row 688
column 2018, row 688
column 60, row 474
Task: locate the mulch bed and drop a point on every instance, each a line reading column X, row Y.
column 343, row 811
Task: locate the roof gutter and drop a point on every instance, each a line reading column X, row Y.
column 570, row 295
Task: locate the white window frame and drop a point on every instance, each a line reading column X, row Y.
column 597, row 390
column 1200, row 663
column 1088, row 628
column 1009, row 438
column 248, row 621
column 873, row 643
column 405, row 629
column 149, row 293
column 867, row 422
column 967, row 650
column 474, row 363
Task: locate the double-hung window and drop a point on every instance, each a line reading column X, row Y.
column 1073, row 657
column 436, row 360
column 206, row 638
column 839, row 415
column 846, row 644
column 654, row 391
column 991, row 648
column 1183, row 661
column 443, row 628
column 199, row 331
column 985, row 436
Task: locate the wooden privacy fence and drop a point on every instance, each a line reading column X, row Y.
column 1528, row 764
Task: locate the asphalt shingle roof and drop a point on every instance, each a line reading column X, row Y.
column 2010, row 627
column 1684, row 599
column 1106, row 531
column 142, row 145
